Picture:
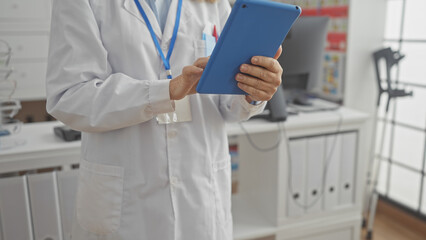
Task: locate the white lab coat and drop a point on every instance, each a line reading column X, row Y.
column 139, row 179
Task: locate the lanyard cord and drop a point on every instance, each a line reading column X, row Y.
column 166, row 60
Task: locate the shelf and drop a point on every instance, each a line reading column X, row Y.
column 248, row 222
column 302, row 121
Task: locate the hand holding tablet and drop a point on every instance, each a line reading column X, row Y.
column 261, row 78
column 254, row 28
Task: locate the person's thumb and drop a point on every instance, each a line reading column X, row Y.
column 278, row 53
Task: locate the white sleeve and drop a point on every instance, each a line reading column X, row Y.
column 81, row 89
column 235, row 108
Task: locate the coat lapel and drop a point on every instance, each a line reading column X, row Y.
column 171, row 19
column 130, row 6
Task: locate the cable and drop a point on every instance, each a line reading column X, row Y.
column 282, row 131
column 260, row 149
column 325, row 170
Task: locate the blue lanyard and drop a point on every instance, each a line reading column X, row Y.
column 166, row 60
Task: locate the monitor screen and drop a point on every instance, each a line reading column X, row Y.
column 303, row 53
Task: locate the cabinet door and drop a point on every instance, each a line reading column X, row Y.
column 297, row 170
column 67, row 186
column 45, row 206
column 332, row 165
column 314, row 174
column 348, row 169
column 15, row 217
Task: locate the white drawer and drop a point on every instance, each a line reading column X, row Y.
column 25, row 10
column 340, row 228
column 27, row 46
column 338, row 234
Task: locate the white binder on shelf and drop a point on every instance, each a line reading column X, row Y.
column 15, row 216
column 347, row 169
column 297, row 164
column 333, row 156
column 45, row 206
column 314, row 174
column 67, row 188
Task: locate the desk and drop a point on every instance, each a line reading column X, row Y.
column 42, row 149
column 262, row 207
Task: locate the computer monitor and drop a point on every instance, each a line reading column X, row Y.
column 303, row 54
column 302, row 61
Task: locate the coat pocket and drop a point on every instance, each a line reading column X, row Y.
column 222, row 180
column 99, row 197
column 199, row 49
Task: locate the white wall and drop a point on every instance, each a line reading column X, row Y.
column 365, row 35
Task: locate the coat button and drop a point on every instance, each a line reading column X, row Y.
column 174, row 181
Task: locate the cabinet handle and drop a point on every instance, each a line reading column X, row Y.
column 296, row 196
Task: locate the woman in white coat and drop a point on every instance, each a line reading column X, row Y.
column 143, row 176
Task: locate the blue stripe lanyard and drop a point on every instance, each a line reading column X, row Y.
column 166, row 60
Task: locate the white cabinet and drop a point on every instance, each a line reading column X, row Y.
column 38, row 206
column 341, row 234
column 263, row 206
column 314, row 174
column 15, row 215
column 67, row 186
column 297, row 171
column 308, row 186
column 346, row 186
column 344, row 227
column 45, row 211
column 321, row 173
column 333, row 150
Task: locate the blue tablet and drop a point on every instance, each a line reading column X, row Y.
column 254, row 28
